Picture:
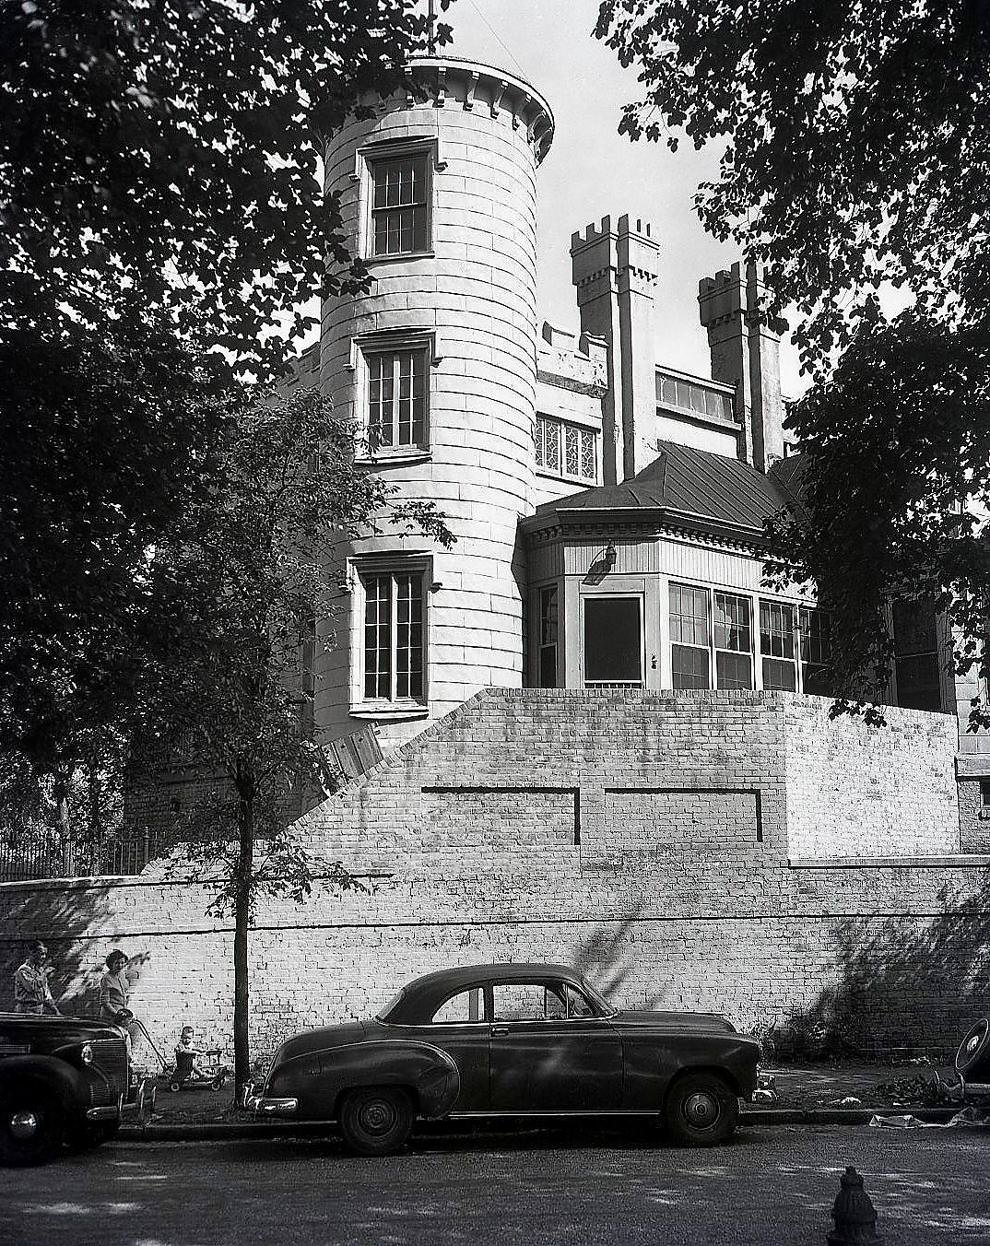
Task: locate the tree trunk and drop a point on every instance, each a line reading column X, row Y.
column 61, row 794
column 242, row 913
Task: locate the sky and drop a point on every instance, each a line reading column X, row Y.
column 592, row 171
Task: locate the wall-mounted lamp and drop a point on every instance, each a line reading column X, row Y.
column 602, row 563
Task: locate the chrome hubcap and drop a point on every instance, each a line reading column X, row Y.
column 23, row 1125
column 701, row 1110
column 377, row 1117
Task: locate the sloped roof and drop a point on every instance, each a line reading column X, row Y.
column 686, row 485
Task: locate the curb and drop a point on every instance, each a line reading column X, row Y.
column 236, row 1131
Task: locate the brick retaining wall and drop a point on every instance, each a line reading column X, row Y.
column 688, row 850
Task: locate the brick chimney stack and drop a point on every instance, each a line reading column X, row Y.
column 745, row 346
column 615, row 271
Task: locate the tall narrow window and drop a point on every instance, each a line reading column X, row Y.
column 399, row 207
column 393, row 636
column 777, row 646
column 733, row 635
column 689, row 648
column 814, row 634
column 613, row 642
column 548, row 637
column 916, row 655
column 396, row 399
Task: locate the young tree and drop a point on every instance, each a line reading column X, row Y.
column 854, row 157
column 160, row 198
column 255, row 570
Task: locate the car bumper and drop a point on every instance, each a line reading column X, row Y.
column 136, row 1111
column 252, row 1099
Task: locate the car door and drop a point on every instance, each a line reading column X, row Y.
column 550, row 1052
column 460, row 1028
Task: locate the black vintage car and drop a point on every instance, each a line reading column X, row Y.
column 64, row 1080
column 510, row 1040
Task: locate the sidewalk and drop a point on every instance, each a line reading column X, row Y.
column 812, row 1094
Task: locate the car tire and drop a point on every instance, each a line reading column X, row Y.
column 32, row 1126
column 376, row 1120
column 700, row 1110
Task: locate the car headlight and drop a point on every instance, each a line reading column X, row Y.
column 86, row 1054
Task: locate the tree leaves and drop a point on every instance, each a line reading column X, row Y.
column 857, row 157
column 172, row 151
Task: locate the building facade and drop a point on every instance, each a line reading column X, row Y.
column 608, row 510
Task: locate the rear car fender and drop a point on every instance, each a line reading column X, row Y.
column 63, row 1081
column 428, row 1073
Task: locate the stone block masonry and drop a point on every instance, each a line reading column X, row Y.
column 728, row 851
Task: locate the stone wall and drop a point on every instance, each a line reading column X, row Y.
column 641, row 837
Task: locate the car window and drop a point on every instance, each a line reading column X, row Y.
column 529, row 1001
column 577, row 1005
column 465, row 1006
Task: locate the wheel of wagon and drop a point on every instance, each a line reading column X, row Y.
column 32, row 1125
column 376, row 1120
column 700, row 1110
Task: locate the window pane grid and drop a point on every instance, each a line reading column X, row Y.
column 548, row 637
column 566, row 449
column 399, row 207
column 393, row 636
column 396, row 398
column 377, row 636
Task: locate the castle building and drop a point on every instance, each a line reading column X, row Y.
column 608, row 509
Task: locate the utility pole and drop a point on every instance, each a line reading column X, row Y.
column 431, row 38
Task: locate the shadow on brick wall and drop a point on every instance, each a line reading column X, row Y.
column 70, row 921
column 609, row 963
column 905, row 986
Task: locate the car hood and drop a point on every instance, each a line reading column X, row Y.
column 47, row 1033
column 323, row 1039
column 708, row 1022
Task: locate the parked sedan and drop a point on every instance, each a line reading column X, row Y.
column 510, row 1041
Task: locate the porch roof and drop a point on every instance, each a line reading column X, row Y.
column 683, row 486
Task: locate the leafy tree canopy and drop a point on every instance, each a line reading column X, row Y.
column 854, row 140
column 855, row 154
column 171, row 152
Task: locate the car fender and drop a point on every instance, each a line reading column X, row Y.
column 61, row 1079
column 319, row 1081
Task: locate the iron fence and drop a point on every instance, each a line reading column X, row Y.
column 47, row 856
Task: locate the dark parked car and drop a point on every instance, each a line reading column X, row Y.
column 64, row 1080
column 510, row 1040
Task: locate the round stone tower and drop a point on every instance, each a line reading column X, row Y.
column 436, row 366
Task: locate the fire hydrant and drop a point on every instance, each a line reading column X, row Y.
column 854, row 1215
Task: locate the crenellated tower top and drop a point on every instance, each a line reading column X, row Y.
column 448, row 83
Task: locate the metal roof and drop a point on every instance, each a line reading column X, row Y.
column 684, row 483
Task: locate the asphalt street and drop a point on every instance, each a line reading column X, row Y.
column 771, row 1185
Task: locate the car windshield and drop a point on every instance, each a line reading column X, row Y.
column 597, row 998
column 391, row 1006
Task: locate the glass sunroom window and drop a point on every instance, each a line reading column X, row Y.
column 733, row 637
column 613, row 642
column 690, row 645
column 777, row 646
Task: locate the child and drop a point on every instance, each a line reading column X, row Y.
column 186, row 1055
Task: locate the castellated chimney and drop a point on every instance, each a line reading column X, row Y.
column 615, row 271
column 745, row 345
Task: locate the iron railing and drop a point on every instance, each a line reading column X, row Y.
column 34, row 856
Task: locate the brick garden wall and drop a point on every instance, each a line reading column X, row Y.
column 644, row 838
